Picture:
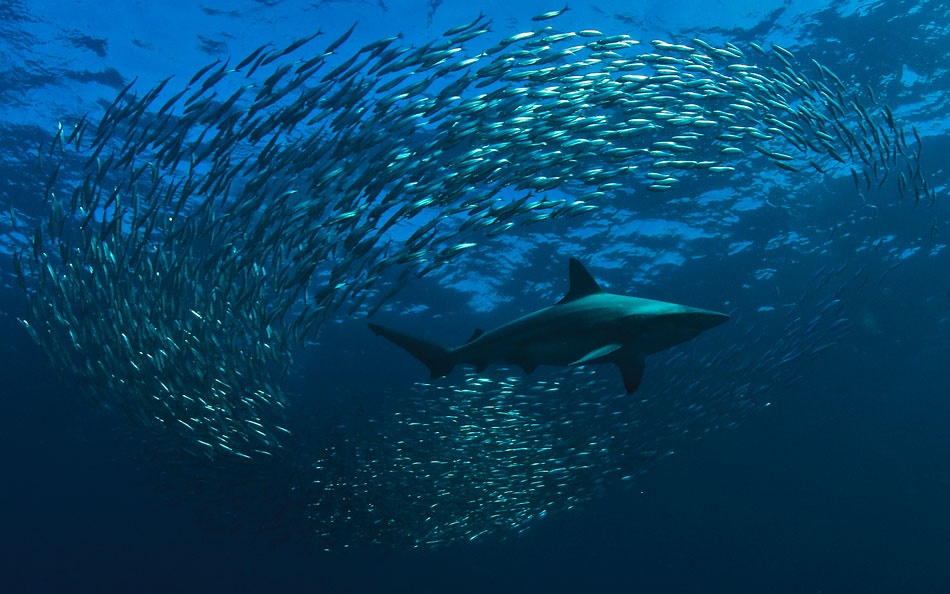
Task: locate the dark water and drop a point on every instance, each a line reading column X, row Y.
column 839, row 488
column 839, row 484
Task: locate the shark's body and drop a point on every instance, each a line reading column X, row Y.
column 586, row 326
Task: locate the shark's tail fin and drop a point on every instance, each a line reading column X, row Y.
column 436, row 357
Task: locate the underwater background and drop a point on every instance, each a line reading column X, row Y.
column 193, row 402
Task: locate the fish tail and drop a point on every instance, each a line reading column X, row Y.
column 436, row 357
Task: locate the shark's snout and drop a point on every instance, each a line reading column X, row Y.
column 704, row 320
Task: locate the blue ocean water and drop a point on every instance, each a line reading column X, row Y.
column 800, row 448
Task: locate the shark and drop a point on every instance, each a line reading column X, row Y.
column 587, row 326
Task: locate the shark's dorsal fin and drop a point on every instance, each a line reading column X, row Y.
column 478, row 332
column 582, row 283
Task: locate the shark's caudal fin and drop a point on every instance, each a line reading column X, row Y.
column 436, row 357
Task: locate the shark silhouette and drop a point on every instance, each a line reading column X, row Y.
column 587, row 326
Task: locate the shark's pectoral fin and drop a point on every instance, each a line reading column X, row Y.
column 478, row 332
column 631, row 367
column 597, row 355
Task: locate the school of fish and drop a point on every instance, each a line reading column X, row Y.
column 197, row 237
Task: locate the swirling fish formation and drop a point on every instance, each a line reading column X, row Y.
column 194, row 241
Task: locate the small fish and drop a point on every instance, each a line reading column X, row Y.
column 340, row 40
column 550, row 15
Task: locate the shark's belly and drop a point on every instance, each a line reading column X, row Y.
column 560, row 339
column 555, row 351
